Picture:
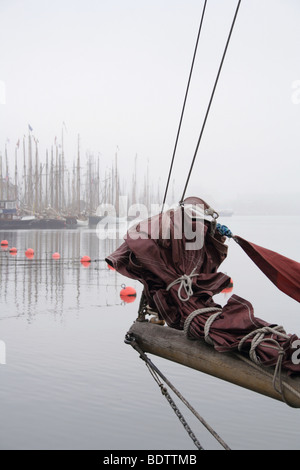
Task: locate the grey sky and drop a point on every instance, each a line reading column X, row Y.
column 115, row 72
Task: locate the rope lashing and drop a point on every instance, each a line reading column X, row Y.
column 208, row 323
column 224, row 231
column 258, row 338
column 186, row 283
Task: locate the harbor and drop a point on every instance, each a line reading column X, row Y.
column 71, row 382
column 48, row 193
column 149, row 212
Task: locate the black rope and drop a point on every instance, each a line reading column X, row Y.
column 183, row 107
column 210, row 101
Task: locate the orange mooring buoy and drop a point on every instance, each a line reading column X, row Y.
column 128, row 294
column 13, row 251
column 229, row 288
column 85, row 261
column 4, row 242
column 29, row 253
column 56, row 255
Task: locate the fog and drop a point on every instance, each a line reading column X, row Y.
column 115, row 73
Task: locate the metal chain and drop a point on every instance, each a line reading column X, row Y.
column 155, row 372
column 174, row 407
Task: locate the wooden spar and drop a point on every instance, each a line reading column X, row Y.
column 173, row 345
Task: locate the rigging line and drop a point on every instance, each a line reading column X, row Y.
column 183, row 107
column 210, row 101
column 133, row 342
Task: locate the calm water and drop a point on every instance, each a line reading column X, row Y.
column 70, row 381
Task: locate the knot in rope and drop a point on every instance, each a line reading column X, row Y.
column 186, row 283
column 259, row 337
column 223, row 230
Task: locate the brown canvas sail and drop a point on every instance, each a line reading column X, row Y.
column 180, row 281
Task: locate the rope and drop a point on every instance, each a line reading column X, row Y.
column 224, row 230
column 210, row 101
column 183, row 107
column 186, row 283
column 258, row 337
column 195, row 313
column 269, row 374
column 154, row 370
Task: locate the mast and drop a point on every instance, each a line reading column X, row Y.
column 40, row 188
column 63, row 202
column 7, row 173
column 117, row 185
column 56, row 176
column 51, row 179
column 78, row 176
column 68, row 202
column 36, row 203
column 1, row 178
column 24, row 172
column 73, row 190
column 30, row 192
column 16, row 171
column 46, row 196
column 111, row 186
column 59, row 181
column 98, row 183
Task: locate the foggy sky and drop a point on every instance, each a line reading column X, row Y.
column 115, row 72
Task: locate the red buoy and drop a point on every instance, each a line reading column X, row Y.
column 29, row 253
column 128, row 294
column 13, row 251
column 4, row 242
column 56, row 255
column 128, row 299
column 85, row 261
column 229, row 288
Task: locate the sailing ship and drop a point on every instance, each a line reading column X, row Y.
column 50, row 195
column 180, row 278
column 10, row 220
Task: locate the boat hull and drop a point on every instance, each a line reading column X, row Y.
column 32, row 224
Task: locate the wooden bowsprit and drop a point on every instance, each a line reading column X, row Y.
column 235, row 368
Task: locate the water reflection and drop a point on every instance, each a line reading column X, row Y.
column 31, row 285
